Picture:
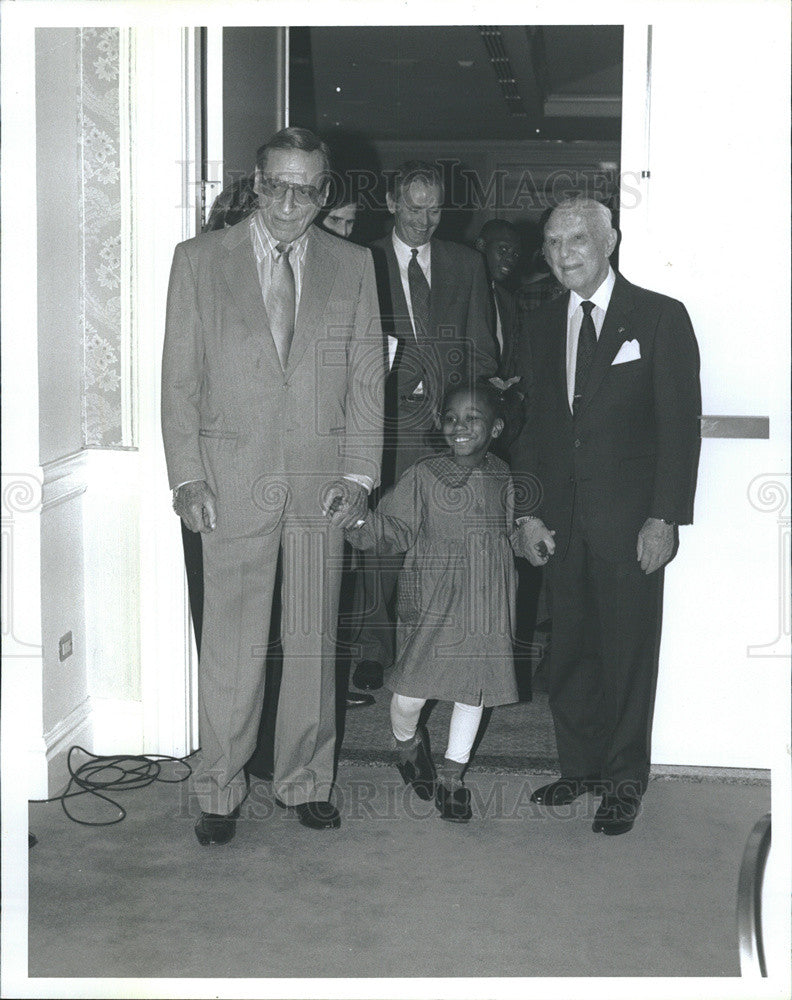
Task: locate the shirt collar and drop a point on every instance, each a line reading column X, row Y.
column 404, row 251
column 600, row 298
column 264, row 244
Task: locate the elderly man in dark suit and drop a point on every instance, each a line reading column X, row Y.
column 612, row 439
column 436, row 317
column 272, row 382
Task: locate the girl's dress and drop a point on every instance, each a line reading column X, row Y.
column 456, row 592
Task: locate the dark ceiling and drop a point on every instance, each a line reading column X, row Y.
column 453, row 82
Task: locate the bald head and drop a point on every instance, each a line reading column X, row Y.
column 578, row 240
column 499, row 241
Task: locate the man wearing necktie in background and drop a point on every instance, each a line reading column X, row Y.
column 435, row 314
column 272, row 385
column 612, row 437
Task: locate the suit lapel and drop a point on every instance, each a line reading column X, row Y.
column 559, row 328
column 319, row 271
column 612, row 335
column 507, row 308
column 241, row 274
column 442, row 287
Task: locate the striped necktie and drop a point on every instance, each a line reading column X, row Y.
column 281, row 302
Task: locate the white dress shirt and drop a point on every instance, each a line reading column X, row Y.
column 601, row 299
column 498, row 323
column 265, row 252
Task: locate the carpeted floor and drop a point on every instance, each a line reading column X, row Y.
column 516, row 736
column 395, row 892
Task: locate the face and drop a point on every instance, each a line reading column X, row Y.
column 469, row 426
column 577, row 247
column 502, row 253
column 417, row 212
column 300, row 191
column 341, row 220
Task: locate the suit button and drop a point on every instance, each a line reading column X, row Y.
column 577, row 442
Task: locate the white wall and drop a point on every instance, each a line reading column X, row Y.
column 65, row 704
column 711, row 227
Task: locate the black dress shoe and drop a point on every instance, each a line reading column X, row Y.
column 453, row 805
column 357, row 699
column 420, row 772
column 315, row 815
column 616, row 814
column 215, row 828
column 368, row 675
column 563, row 791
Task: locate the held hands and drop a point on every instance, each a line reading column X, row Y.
column 535, row 542
column 655, row 544
column 196, row 506
column 345, row 503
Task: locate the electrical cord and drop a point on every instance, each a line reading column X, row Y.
column 118, row 773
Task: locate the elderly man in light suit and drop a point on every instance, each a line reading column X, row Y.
column 272, row 398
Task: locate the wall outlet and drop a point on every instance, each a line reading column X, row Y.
column 65, row 646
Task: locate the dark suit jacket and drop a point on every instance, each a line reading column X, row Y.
column 459, row 344
column 632, row 450
column 514, row 334
column 511, row 318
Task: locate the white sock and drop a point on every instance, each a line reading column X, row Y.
column 404, row 713
column 465, row 721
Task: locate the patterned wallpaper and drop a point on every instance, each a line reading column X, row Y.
column 99, row 126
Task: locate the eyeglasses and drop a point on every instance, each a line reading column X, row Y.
column 303, row 194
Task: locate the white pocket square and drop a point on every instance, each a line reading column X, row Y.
column 630, row 350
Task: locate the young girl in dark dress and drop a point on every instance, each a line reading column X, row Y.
column 453, row 516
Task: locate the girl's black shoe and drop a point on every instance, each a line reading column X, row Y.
column 453, row 804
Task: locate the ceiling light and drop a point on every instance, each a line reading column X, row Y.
column 465, row 63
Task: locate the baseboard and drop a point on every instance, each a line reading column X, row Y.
column 74, row 730
column 117, row 726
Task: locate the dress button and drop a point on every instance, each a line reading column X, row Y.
column 577, row 442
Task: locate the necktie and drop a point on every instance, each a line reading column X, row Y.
column 419, row 297
column 281, row 302
column 587, row 345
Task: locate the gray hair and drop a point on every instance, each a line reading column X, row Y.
column 586, row 206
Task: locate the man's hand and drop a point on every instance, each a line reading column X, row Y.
column 535, row 542
column 196, row 506
column 655, row 544
column 345, row 503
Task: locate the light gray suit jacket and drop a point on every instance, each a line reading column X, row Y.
column 260, row 436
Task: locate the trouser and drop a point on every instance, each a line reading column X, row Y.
column 602, row 670
column 239, row 577
column 376, row 584
column 462, row 730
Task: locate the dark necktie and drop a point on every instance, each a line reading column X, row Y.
column 281, row 302
column 419, row 297
column 587, row 345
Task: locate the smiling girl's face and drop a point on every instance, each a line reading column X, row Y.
column 469, row 426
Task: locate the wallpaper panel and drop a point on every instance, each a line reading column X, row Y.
column 104, row 367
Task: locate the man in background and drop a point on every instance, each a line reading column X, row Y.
column 435, row 314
